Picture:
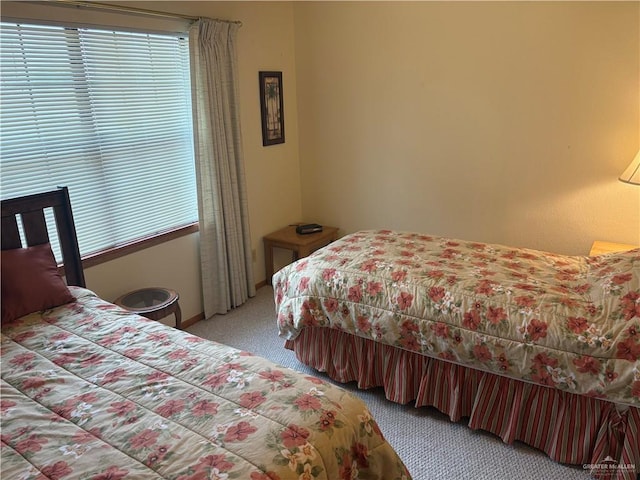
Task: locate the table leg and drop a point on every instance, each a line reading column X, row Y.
column 268, row 261
column 178, row 314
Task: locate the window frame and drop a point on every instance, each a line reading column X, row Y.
column 108, row 254
column 137, row 244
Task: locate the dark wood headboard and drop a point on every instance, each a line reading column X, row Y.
column 30, row 209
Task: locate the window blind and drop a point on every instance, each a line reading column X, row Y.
column 107, row 114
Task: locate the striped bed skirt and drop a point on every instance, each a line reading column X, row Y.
column 569, row 428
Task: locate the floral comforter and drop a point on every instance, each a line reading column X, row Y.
column 572, row 323
column 90, row 391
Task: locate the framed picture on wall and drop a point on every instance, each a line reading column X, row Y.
column 271, row 107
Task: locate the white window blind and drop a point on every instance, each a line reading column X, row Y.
column 107, row 114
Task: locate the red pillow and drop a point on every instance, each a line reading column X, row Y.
column 31, row 282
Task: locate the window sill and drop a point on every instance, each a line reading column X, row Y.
column 103, row 256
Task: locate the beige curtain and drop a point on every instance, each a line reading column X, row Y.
column 225, row 241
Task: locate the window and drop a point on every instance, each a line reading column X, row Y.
column 107, row 114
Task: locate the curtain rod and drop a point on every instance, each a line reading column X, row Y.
column 133, row 10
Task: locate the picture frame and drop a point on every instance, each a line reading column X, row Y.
column 271, row 107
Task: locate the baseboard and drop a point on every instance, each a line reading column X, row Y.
column 200, row 316
column 191, row 321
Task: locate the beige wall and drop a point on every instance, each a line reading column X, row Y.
column 265, row 42
column 174, row 264
column 506, row 122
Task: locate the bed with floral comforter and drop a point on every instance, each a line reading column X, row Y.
column 530, row 321
column 90, row 391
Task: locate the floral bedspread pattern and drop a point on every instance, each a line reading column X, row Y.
column 90, row 391
column 571, row 323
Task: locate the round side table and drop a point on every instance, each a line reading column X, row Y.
column 152, row 302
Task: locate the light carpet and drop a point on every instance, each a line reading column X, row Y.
column 431, row 446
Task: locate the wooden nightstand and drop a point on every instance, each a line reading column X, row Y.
column 301, row 245
column 599, row 247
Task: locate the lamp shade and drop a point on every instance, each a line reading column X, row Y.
column 632, row 173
